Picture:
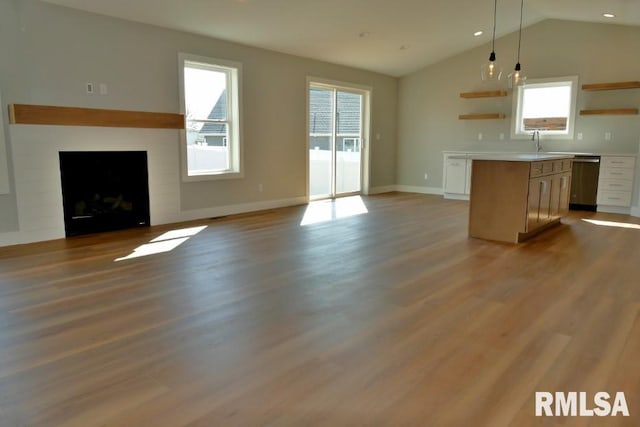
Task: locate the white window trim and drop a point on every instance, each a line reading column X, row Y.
column 234, row 85
column 517, row 108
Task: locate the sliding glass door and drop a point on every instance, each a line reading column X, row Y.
column 335, row 141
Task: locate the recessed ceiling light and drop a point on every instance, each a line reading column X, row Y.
column 364, row 34
column 608, row 15
column 478, row 33
column 404, row 47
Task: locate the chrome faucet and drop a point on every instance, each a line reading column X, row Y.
column 536, row 137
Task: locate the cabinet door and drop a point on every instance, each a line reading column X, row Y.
column 539, row 203
column 467, row 188
column 554, row 204
column 455, row 176
column 545, row 201
column 533, row 206
column 565, row 193
column 559, row 194
column 615, row 198
column 618, row 162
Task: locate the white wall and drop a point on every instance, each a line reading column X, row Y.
column 51, row 52
column 429, row 101
column 4, row 164
column 9, row 30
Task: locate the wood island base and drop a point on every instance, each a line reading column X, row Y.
column 516, row 197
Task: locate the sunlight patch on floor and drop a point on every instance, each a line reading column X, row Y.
column 163, row 243
column 612, row 224
column 330, row 210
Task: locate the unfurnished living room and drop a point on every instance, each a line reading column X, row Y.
column 296, row 213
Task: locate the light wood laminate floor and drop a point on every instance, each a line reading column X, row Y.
column 389, row 318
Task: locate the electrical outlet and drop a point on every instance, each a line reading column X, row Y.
column 480, row 136
column 426, row 176
column 104, row 90
column 580, row 136
column 607, row 136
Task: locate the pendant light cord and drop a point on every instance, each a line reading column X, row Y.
column 495, row 11
column 520, row 32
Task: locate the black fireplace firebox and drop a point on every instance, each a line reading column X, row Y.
column 104, row 190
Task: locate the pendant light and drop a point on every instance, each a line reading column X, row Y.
column 517, row 77
column 491, row 71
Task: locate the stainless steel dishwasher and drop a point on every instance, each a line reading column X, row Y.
column 584, row 182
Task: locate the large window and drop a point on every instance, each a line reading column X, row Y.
column 210, row 92
column 546, row 106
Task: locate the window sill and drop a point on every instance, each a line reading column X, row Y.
column 213, row 176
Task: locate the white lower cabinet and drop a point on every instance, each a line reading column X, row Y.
column 615, row 183
column 457, row 176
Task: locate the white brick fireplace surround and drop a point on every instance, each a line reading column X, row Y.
column 38, row 185
column 37, row 173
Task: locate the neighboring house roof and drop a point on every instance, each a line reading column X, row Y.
column 219, row 112
column 321, row 110
column 320, row 103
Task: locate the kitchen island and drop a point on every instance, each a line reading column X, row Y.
column 515, row 196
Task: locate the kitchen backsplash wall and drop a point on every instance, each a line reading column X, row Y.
column 429, row 101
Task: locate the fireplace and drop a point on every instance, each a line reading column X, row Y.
column 104, row 190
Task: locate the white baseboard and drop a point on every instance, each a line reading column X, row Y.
column 456, row 196
column 22, row 237
column 382, row 189
column 30, row 236
column 11, row 238
column 241, row 208
column 419, row 190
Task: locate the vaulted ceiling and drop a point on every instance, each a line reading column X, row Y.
column 392, row 37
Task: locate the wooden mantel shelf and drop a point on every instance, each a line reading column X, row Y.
column 610, row 112
column 486, row 94
column 611, row 86
column 486, row 116
column 74, row 116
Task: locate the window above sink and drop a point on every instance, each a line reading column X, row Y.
column 545, row 105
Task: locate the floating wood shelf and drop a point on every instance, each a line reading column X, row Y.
column 481, row 116
column 74, row 116
column 486, row 94
column 611, row 86
column 610, row 112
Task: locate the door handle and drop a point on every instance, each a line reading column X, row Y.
column 586, row 160
column 543, row 188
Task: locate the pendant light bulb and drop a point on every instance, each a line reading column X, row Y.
column 491, row 71
column 517, row 78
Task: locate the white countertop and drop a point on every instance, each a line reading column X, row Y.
column 573, row 153
column 519, row 157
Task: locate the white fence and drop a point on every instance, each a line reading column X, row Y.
column 347, row 172
column 202, row 157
